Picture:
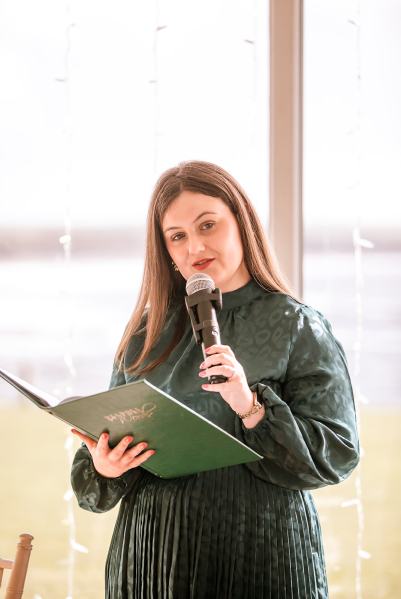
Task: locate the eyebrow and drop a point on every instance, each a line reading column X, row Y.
column 197, row 218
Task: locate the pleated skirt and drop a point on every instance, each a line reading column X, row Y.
column 223, row 534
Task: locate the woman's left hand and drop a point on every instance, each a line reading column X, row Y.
column 236, row 392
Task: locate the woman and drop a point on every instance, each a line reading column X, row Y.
column 249, row 530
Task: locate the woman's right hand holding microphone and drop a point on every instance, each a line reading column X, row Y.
column 112, row 462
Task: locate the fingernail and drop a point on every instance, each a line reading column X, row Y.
column 202, row 373
column 202, row 365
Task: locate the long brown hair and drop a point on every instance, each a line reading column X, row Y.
column 161, row 285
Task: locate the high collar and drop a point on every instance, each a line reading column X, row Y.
column 242, row 295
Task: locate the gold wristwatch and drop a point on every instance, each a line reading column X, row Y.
column 256, row 406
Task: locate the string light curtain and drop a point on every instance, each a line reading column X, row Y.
column 106, row 97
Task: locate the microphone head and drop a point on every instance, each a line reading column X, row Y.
column 198, row 282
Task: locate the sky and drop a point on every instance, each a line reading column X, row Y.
column 98, row 98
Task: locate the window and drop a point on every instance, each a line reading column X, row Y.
column 97, row 101
column 352, row 217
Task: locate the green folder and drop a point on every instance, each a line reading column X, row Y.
column 185, row 442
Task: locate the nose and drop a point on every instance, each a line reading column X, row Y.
column 195, row 245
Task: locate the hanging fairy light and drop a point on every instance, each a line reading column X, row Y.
column 65, row 241
column 359, row 244
column 154, row 81
column 70, row 522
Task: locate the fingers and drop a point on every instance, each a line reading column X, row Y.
column 212, row 388
column 102, row 444
column 137, row 454
column 138, row 459
column 219, row 349
column 113, row 462
column 221, row 361
column 90, row 443
column 224, row 369
column 219, row 354
column 217, row 359
column 118, row 451
column 120, row 454
column 114, row 454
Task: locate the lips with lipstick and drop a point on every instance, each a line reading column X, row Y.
column 202, row 264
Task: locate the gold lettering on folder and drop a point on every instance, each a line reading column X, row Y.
column 133, row 414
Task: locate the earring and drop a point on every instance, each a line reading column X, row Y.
column 174, row 266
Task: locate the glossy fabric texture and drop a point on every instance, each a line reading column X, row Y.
column 248, row 531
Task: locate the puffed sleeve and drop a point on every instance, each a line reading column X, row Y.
column 95, row 492
column 308, row 436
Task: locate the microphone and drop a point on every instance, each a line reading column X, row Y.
column 202, row 302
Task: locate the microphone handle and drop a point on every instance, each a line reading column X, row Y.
column 210, row 336
column 215, row 379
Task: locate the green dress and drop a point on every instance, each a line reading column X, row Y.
column 248, row 531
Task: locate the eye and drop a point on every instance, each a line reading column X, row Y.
column 177, row 236
column 206, row 226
